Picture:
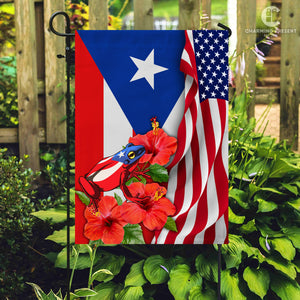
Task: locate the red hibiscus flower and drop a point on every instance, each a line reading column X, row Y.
column 159, row 146
column 152, row 210
column 105, row 223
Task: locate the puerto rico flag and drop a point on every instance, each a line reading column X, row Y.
column 125, row 78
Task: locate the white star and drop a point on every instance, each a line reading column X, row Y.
column 206, row 41
column 201, row 47
column 207, row 54
column 222, row 47
column 216, row 41
column 214, row 74
column 121, row 154
column 200, row 34
column 199, row 68
column 221, row 34
column 223, row 94
column 222, row 61
column 206, row 88
column 217, row 87
column 146, row 69
column 198, row 54
column 218, row 68
column 213, row 94
column 203, row 96
column 217, row 54
column 201, row 81
column 203, row 61
column 226, row 87
column 226, row 41
column 205, row 74
column 220, row 80
column 208, row 68
column 210, row 34
column 213, row 61
column 224, row 74
column 211, row 47
column 210, row 81
column 196, row 41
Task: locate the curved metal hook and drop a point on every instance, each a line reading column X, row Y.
column 68, row 29
column 226, row 28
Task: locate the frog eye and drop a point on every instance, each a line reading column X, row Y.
column 131, row 155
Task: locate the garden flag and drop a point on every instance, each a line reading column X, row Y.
column 151, row 137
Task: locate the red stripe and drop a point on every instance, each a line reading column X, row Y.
column 88, row 127
column 210, row 234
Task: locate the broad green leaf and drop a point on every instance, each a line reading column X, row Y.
column 284, row 246
column 197, row 293
column 207, row 266
column 282, row 265
column 294, row 203
column 136, row 275
column 54, row 215
column 293, row 233
column 182, row 281
column 266, row 206
column 158, row 173
column 47, row 157
column 38, row 291
column 240, row 197
column 249, row 227
column 83, row 197
column 106, row 291
column 98, row 274
column 170, row 224
column 52, row 296
column 84, row 292
column 83, row 261
column 282, row 167
column 284, row 288
column 60, row 236
column 258, row 280
column 235, row 219
column 131, row 293
column 133, row 234
column 272, row 190
column 230, row 286
column 113, row 263
column 118, row 198
column 153, row 270
column 293, row 189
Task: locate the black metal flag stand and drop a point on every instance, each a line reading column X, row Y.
column 69, row 60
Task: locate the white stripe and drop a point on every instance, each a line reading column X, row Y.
column 191, row 38
column 220, row 231
column 216, row 121
column 104, row 174
column 225, row 143
column 117, row 129
column 199, row 238
column 185, row 57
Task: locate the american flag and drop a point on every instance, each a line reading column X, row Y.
column 199, row 171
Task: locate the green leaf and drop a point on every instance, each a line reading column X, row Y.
column 133, row 234
column 136, row 275
column 294, row 203
column 284, row 288
column 158, row 173
column 284, row 246
column 266, row 206
column 230, row 286
column 293, row 233
column 182, row 281
column 207, row 266
column 113, row 263
column 293, row 189
column 272, row 190
column 240, row 197
column 83, row 197
column 235, row 219
column 118, row 198
column 98, row 274
column 282, row 168
column 85, row 292
column 131, row 293
column 258, row 281
column 38, row 291
column 60, row 236
column 153, row 270
column 106, row 291
column 282, row 265
column 61, row 97
column 54, row 215
column 248, row 227
column 197, row 293
column 52, row 296
column 170, row 224
column 47, row 157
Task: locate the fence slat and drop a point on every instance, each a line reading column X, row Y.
column 143, row 14
column 98, row 14
column 27, row 81
column 289, row 71
column 54, row 75
column 206, row 9
column 189, row 17
column 246, row 19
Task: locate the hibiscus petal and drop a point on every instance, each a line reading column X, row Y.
column 137, row 189
column 151, row 189
column 106, row 204
column 93, row 231
column 146, row 157
column 90, row 215
column 116, row 215
column 113, row 234
column 155, row 219
column 165, row 205
column 132, row 213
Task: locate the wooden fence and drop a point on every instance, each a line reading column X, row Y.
column 41, row 75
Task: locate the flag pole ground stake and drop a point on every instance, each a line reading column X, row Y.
column 68, row 56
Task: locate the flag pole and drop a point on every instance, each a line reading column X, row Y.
column 219, row 271
column 68, row 56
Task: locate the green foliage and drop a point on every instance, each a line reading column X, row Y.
column 16, row 204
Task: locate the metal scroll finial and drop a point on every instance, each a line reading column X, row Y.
column 226, row 28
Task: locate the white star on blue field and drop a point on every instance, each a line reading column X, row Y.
column 211, row 53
